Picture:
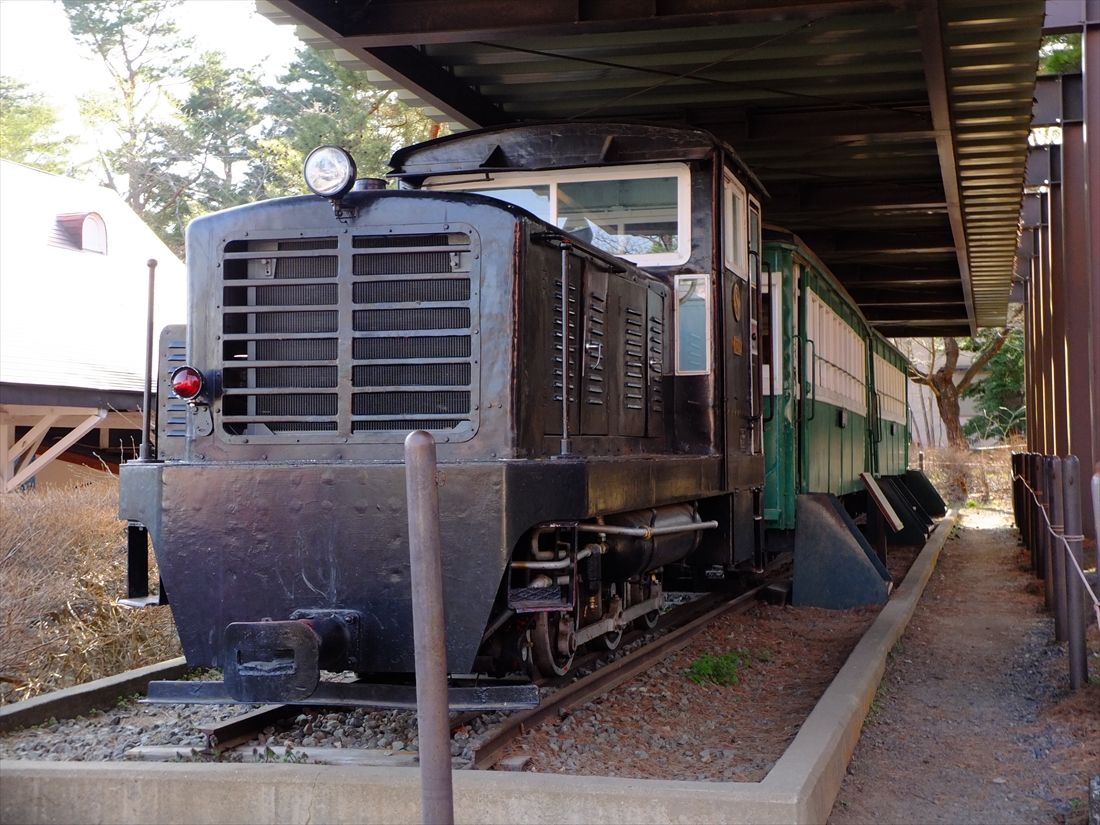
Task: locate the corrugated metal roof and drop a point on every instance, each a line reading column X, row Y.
column 892, row 135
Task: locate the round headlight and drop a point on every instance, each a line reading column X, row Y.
column 329, row 171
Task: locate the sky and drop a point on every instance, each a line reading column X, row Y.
column 37, row 48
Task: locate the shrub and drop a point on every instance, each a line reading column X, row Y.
column 723, row 669
column 62, row 569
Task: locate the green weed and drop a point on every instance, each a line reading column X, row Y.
column 723, row 669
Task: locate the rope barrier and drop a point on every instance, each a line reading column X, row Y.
column 1065, row 542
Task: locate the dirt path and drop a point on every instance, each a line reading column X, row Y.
column 973, row 721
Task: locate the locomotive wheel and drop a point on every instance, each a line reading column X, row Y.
column 612, row 640
column 551, row 638
column 650, row 619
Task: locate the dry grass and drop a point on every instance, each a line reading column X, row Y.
column 62, row 568
column 981, row 475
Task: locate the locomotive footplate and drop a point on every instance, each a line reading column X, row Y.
column 477, row 696
column 281, row 662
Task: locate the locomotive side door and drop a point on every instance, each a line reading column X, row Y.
column 736, row 318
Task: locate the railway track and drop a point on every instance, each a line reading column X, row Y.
column 606, row 678
column 561, row 693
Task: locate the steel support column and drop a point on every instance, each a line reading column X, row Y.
column 1090, row 220
column 1072, row 101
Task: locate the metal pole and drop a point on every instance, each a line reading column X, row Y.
column 1024, row 497
column 429, row 639
column 1029, row 538
column 1047, row 473
column 1014, row 464
column 147, row 392
column 565, row 447
column 1078, row 661
column 1036, row 514
column 1058, row 561
column 1096, row 513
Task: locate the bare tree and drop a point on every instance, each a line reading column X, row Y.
column 948, row 389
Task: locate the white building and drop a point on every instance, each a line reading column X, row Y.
column 73, row 297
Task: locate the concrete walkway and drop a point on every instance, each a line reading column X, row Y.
column 973, row 721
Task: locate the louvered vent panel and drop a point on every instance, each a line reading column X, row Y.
column 414, row 359
column 595, row 349
column 656, row 363
column 634, row 354
column 558, row 348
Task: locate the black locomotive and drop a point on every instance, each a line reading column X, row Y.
column 571, row 310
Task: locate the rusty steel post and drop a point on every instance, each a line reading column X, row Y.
column 1018, row 494
column 1057, row 365
column 429, row 636
column 147, row 390
column 1036, row 513
column 1075, row 605
column 1096, row 517
column 1029, row 510
column 1090, row 64
column 1058, row 560
column 1047, row 476
column 1078, row 320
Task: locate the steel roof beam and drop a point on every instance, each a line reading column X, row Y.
column 940, row 312
column 405, row 66
column 411, row 69
column 404, row 22
column 939, row 98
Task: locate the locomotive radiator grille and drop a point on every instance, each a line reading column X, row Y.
column 350, row 339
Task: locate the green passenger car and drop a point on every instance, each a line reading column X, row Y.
column 834, row 389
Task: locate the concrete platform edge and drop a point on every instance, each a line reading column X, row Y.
column 814, row 764
column 801, row 787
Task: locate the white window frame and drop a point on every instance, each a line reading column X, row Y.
column 708, row 314
column 93, row 234
column 508, row 180
column 735, row 256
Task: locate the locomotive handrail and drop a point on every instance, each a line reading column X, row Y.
column 813, row 378
column 771, row 356
column 756, row 411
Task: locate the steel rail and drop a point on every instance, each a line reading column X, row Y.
column 604, row 680
column 222, row 736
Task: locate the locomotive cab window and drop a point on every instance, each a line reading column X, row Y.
column 693, row 331
column 641, row 213
column 734, row 235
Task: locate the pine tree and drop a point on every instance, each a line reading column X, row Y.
column 28, row 129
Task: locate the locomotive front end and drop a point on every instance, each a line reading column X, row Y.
column 320, row 334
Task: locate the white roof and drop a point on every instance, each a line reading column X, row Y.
column 73, row 317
